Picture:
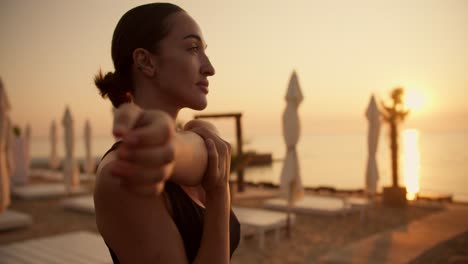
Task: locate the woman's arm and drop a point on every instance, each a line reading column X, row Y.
column 215, row 247
column 191, row 153
column 150, row 141
column 215, row 240
column 139, row 228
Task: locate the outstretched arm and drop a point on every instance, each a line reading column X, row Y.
column 191, row 154
column 151, row 151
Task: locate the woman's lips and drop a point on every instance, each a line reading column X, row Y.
column 203, row 85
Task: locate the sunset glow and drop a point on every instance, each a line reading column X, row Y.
column 414, row 100
column 411, row 162
column 341, row 53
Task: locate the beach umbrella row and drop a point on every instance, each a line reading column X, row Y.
column 7, row 161
column 70, row 165
column 54, row 160
column 290, row 178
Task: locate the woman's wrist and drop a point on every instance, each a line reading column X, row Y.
column 217, row 195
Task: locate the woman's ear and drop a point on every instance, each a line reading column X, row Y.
column 144, row 62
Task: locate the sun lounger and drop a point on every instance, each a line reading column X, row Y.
column 253, row 221
column 43, row 190
column 80, row 247
column 310, row 204
column 246, row 231
column 47, row 174
column 84, row 204
column 358, row 204
column 260, row 221
column 87, row 176
column 12, row 220
column 56, row 175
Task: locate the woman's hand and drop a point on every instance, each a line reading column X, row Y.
column 145, row 158
column 219, row 160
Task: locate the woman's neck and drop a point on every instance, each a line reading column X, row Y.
column 147, row 97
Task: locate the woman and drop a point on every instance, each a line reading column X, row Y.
column 162, row 196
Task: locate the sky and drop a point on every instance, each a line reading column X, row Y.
column 343, row 51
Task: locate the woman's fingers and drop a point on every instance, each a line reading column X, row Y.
column 125, row 118
column 138, row 127
column 200, row 123
column 152, row 128
column 222, row 152
column 147, row 157
column 206, row 133
column 213, row 157
column 223, row 149
column 212, row 171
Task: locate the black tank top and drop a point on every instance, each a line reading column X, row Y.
column 188, row 216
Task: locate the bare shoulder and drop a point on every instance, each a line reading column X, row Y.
column 138, row 229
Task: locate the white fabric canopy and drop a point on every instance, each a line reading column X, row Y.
column 27, row 140
column 372, row 173
column 10, row 142
column 70, row 166
column 89, row 161
column 21, row 172
column 4, row 130
column 290, row 182
column 54, row 161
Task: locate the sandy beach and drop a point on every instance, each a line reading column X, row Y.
column 311, row 237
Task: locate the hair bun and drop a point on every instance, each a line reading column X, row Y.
column 110, row 87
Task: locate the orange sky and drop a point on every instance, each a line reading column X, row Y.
column 342, row 51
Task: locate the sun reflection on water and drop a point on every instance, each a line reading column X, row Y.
column 411, row 162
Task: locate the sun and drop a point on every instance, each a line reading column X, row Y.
column 414, row 99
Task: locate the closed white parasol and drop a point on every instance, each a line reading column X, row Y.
column 291, row 183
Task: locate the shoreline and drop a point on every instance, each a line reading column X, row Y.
column 430, row 196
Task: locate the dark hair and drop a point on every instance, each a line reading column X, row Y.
column 141, row 27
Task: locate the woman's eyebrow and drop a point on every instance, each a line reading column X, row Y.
column 193, row 36
column 197, row 37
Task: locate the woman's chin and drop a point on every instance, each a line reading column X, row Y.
column 201, row 105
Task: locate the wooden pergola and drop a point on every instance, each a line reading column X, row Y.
column 237, row 116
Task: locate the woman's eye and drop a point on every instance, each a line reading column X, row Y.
column 194, row 48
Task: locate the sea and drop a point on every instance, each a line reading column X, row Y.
column 430, row 162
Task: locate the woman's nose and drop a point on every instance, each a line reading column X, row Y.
column 207, row 68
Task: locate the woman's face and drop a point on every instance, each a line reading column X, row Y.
column 182, row 65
